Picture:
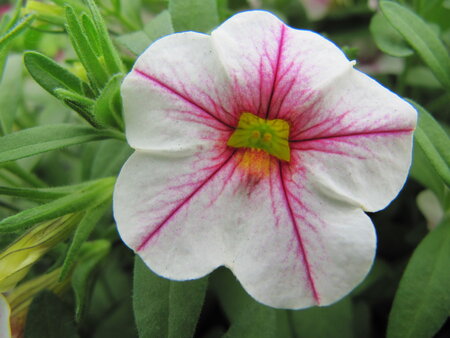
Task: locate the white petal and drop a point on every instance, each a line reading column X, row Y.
column 288, row 250
column 156, row 216
column 5, row 329
column 176, row 96
column 274, row 67
column 356, row 139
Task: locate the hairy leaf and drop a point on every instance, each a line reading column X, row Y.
column 32, row 141
column 88, row 197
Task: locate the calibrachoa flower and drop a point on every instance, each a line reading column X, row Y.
column 259, row 148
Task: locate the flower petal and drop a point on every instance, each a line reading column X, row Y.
column 5, row 330
column 356, row 139
column 274, row 67
column 161, row 206
column 187, row 217
column 177, row 86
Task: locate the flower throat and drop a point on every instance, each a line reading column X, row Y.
column 256, row 133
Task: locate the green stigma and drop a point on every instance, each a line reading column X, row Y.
column 256, row 133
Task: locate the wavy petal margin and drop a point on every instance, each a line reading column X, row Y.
column 294, row 233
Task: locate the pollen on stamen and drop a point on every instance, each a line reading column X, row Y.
column 267, row 137
column 256, row 135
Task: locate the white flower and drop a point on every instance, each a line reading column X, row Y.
column 259, row 148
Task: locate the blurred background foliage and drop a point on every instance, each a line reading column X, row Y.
column 62, row 144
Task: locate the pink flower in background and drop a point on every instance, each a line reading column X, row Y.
column 4, row 9
column 259, row 148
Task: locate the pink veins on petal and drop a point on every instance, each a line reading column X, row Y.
column 207, row 204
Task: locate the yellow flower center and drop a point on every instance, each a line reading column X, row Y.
column 256, row 133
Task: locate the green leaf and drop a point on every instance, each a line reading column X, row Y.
column 10, row 93
column 103, row 165
column 194, row 15
column 422, row 302
column 135, row 42
column 87, row 197
column 322, row 322
column 156, row 28
column 19, row 28
column 49, row 317
column 111, row 57
column 32, row 141
column 160, row 26
column 434, row 142
column 248, row 318
column 87, row 224
column 423, row 77
column 81, row 104
column 91, row 32
column 165, row 308
column 82, row 278
column 95, row 69
column 421, row 37
column 131, row 10
column 387, row 39
column 424, row 172
column 50, row 75
column 108, row 107
column 42, row 194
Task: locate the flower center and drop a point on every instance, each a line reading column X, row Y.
column 256, row 133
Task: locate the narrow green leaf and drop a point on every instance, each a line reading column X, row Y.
column 95, row 69
column 108, row 107
column 88, row 197
column 32, row 141
column 84, row 229
column 10, row 93
column 434, row 142
column 42, row 194
column 111, row 57
column 82, row 278
column 194, row 15
column 91, row 32
column 422, row 302
column 81, row 104
column 19, row 28
column 164, row 308
column 421, row 37
column 386, row 37
column 322, row 322
column 248, row 318
column 49, row 317
column 424, row 172
column 50, row 75
column 82, row 100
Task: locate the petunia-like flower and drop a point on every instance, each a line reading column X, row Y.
column 258, row 148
